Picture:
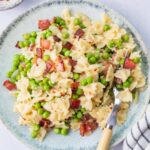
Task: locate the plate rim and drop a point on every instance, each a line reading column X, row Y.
column 96, row 2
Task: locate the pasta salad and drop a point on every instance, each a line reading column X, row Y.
column 64, row 74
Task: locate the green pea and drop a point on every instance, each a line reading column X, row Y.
column 67, row 53
column 65, row 35
column 119, row 43
column 34, row 134
column 126, row 84
column 41, row 83
column 16, row 57
column 21, row 67
column 137, row 60
column 111, row 44
column 88, row 55
column 64, row 50
column 36, row 127
column 43, row 103
column 28, row 65
column 13, row 80
column 121, row 61
column 108, row 50
column 84, row 82
column 77, row 21
column 22, row 58
column 41, row 111
column 103, row 81
column 57, row 130
column 130, row 79
column 82, row 26
column 92, row 60
column 48, row 34
column 32, row 40
column 46, row 114
column 105, row 55
column 97, row 56
column 18, row 77
column 33, row 34
column 21, row 44
column 76, row 120
column 9, row 74
column 79, row 115
column 26, row 36
column 26, row 43
column 89, row 80
column 76, row 76
column 58, row 20
column 62, row 23
column 106, row 27
column 14, row 68
column 24, row 73
column 125, row 38
column 46, row 87
column 51, row 84
column 44, row 35
column 119, row 86
column 74, row 96
column 79, row 92
column 46, row 57
column 83, row 110
column 64, row 131
column 45, row 80
column 37, row 105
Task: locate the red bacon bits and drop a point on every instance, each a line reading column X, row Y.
column 129, row 64
column 56, row 38
column 68, row 45
column 45, row 123
column 74, row 86
column 45, row 44
column 32, row 47
column 39, row 52
column 9, row 85
column 60, row 64
column 79, row 33
column 50, row 66
column 60, row 28
column 87, row 125
column 75, row 104
column 73, row 63
column 43, row 24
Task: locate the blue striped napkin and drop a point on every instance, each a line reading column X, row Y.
column 139, row 136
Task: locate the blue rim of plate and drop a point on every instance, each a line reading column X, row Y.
column 11, row 5
column 92, row 3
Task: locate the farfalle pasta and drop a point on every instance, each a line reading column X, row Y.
column 65, row 72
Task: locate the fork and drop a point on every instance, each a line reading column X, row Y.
column 105, row 140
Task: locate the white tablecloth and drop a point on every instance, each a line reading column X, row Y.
column 136, row 11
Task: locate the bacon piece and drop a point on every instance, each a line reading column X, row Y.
column 32, row 47
column 43, row 24
column 75, row 104
column 82, row 129
column 74, row 86
column 68, row 45
column 44, row 123
column 45, row 44
column 60, row 28
column 129, row 64
column 60, row 64
column 39, row 52
column 50, row 66
column 9, row 85
column 79, row 33
column 73, row 63
column 56, row 38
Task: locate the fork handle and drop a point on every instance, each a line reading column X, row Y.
column 104, row 142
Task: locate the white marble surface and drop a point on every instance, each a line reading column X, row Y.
column 137, row 12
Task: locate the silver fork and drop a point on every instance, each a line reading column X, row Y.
column 111, row 122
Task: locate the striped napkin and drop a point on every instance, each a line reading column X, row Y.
column 139, row 136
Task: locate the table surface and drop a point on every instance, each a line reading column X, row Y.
column 137, row 12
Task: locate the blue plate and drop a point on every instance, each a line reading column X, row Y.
column 28, row 22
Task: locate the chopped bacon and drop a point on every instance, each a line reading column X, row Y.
column 60, row 64
column 56, row 38
column 45, row 44
column 39, row 52
column 50, row 66
column 32, row 47
column 74, row 86
column 60, row 28
column 9, row 85
column 43, row 24
column 73, row 63
column 87, row 125
column 79, row 33
column 44, row 123
column 75, row 104
column 129, row 64
column 68, row 45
